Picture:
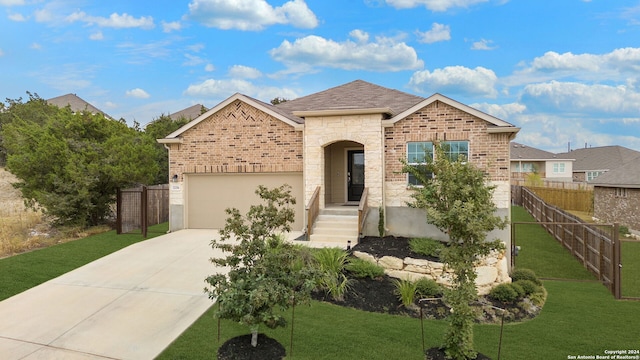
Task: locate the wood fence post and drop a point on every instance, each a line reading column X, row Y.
column 118, row 211
column 617, row 262
column 143, row 211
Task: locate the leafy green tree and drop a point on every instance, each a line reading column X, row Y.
column 70, row 164
column 458, row 201
column 266, row 273
column 158, row 129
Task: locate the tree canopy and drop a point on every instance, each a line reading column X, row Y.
column 157, row 129
column 70, row 164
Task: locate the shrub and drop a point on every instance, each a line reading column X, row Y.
column 504, row 293
column 426, row 287
column 426, row 246
column 525, row 274
column 623, row 230
column 406, row 290
column 362, row 269
column 519, row 290
column 331, row 260
column 528, row 286
column 381, row 222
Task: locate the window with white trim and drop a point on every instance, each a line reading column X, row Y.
column 420, row 152
column 558, row 168
column 593, row 174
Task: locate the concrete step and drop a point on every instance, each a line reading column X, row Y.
column 341, row 241
column 340, row 210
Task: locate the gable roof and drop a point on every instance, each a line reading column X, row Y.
column 601, row 158
column 627, row 176
column 190, row 113
column 76, row 104
column 525, row 152
column 356, row 97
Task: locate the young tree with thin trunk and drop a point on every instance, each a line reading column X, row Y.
column 458, row 201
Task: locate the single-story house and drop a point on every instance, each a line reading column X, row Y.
column 343, row 144
column 526, row 160
column 76, row 104
column 616, row 196
column 188, row 113
column 591, row 162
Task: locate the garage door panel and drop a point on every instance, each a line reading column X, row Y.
column 208, row 195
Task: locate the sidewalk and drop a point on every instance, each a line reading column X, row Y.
column 128, row 305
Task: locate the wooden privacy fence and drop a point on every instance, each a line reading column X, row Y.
column 568, row 199
column 596, row 246
column 141, row 207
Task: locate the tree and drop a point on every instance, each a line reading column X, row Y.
column 158, row 129
column 266, row 273
column 278, row 100
column 70, row 164
column 458, row 201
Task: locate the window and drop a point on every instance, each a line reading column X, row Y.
column 593, row 174
column 621, row 192
column 558, row 168
column 420, row 152
column 526, row 168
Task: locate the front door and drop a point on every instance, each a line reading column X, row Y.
column 355, row 174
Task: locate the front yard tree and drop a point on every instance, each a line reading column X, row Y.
column 266, row 273
column 458, row 201
column 70, row 164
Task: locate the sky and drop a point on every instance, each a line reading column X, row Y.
column 565, row 71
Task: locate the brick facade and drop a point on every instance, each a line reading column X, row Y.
column 238, row 139
column 622, row 208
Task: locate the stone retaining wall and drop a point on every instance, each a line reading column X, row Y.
column 492, row 270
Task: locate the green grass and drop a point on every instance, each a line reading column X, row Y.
column 21, row 272
column 630, row 269
column 542, row 253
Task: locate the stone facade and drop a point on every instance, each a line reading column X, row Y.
column 492, row 270
column 621, row 205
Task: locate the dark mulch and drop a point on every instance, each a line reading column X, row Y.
column 239, row 348
column 388, row 246
column 438, row 354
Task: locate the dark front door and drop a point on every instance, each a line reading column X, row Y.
column 355, row 174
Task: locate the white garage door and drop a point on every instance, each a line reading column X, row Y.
column 208, row 195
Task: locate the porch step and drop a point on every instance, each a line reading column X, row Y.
column 335, row 226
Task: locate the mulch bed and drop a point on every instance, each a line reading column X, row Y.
column 239, row 348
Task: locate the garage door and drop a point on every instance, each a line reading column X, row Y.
column 208, row 195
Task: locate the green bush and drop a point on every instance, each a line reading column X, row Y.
column 362, row 269
column 623, row 230
column 528, row 286
column 504, row 293
column 525, row 274
column 332, row 260
column 426, row 288
column 426, row 246
column 519, row 290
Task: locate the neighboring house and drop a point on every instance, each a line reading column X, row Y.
column 616, row 195
column 526, row 160
column 76, row 104
column 594, row 161
column 337, row 142
column 189, row 113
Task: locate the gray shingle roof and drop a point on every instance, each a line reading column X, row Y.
column 75, row 103
column 600, row 158
column 357, row 94
column 525, row 152
column 625, row 176
column 189, row 113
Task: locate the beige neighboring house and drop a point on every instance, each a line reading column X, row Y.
column 76, row 104
column 339, row 143
column 592, row 162
column 616, row 196
column 526, row 160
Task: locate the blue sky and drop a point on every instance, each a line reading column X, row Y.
column 564, row 71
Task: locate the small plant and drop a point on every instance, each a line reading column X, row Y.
column 426, row 287
column 504, row 293
column 426, row 246
column 406, row 290
column 525, row 274
column 381, row 222
column 623, row 230
column 331, row 260
column 336, row 285
column 528, row 286
column 362, row 269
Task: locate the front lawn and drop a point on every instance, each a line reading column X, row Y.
column 21, row 272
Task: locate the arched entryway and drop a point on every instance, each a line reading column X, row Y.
column 344, row 166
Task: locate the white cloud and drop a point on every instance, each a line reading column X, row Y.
column 36, row 46
column 193, row 60
column 573, row 97
column 138, row 93
column 11, row 2
column 456, row 79
column 501, row 111
column 209, row 67
column 1, row 53
column 433, row 5
column 384, row 54
column 244, row 72
column 251, row 14
column 220, row 89
column 483, row 44
column 171, row 26
column 438, row 32
column 17, row 17
column 114, row 20
column 359, row 35
column 96, row 36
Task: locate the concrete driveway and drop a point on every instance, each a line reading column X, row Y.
column 128, row 305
